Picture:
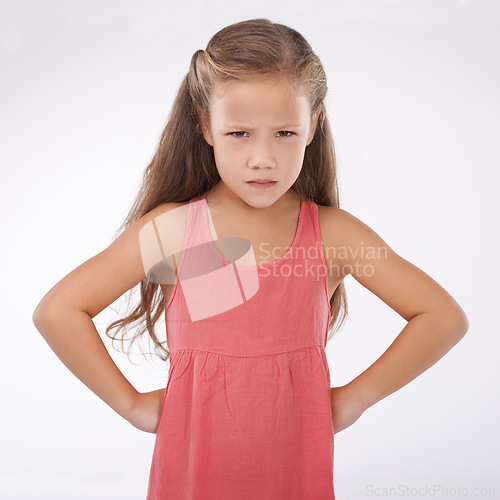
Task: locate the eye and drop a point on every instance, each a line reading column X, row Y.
column 237, row 134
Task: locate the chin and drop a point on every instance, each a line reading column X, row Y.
column 260, row 203
column 261, row 200
column 255, row 198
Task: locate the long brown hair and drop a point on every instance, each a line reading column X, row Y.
column 183, row 165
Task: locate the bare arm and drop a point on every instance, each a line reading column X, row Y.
column 436, row 322
column 425, row 339
column 64, row 315
column 72, row 335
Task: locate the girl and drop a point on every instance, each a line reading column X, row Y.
column 238, row 236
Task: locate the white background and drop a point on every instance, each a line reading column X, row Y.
column 413, row 101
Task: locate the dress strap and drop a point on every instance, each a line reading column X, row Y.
column 317, row 231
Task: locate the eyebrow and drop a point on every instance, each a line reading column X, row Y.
column 244, row 127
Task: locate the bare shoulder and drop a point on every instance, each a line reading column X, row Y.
column 99, row 281
column 163, row 208
column 168, row 220
column 331, row 215
column 358, row 250
column 162, row 234
column 338, row 226
column 345, row 238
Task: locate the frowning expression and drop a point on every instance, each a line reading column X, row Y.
column 259, row 129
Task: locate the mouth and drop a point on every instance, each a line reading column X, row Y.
column 261, row 183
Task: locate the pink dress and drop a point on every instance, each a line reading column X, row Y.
column 246, row 413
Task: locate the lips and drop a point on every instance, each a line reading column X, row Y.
column 261, row 183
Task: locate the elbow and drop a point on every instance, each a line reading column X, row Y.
column 459, row 322
column 451, row 320
column 42, row 316
column 39, row 318
column 464, row 326
column 36, row 317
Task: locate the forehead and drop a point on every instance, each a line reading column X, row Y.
column 249, row 99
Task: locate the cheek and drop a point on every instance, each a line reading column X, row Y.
column 294, row 155
column 225, row 151
column 224, row 157
column 227, row 163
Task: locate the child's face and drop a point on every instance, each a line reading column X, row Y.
column 258, row 129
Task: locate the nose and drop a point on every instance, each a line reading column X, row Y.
column 262, row 155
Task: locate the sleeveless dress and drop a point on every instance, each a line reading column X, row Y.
column 247, row 408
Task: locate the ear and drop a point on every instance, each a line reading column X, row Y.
column 204, row 125
column 314, row 123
